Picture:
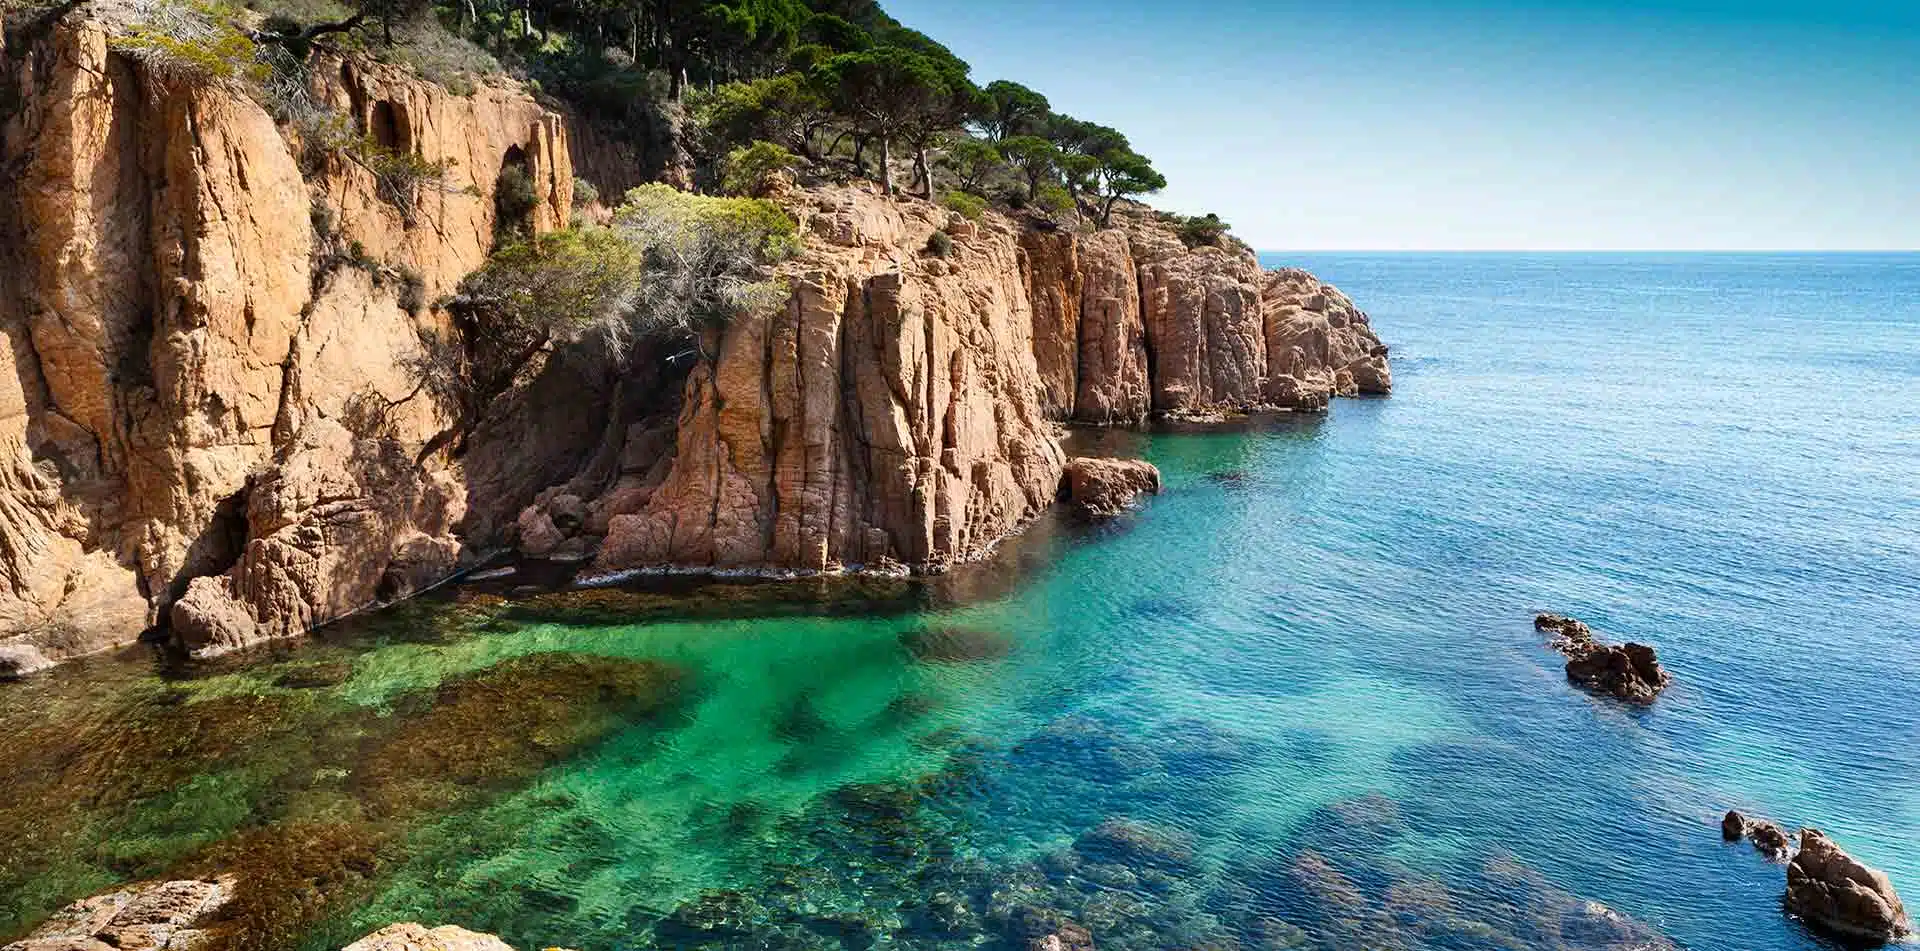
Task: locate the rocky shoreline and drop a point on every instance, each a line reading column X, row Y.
column 266, row 464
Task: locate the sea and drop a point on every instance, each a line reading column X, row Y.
column 1294, row 701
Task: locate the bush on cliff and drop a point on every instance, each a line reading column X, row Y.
column 751, row 169
column 967, row 204
column 1201, row 230
column 531, row 294
column 192, row 44
column 706, row 259
column 670, row 268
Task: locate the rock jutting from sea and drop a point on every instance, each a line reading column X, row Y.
column 1837, row 893
column 1629, row 672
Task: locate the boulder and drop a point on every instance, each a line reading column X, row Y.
column 1767, row 837
column 1070, row 937
column 1102, row 488
column 150, row 916
column 416, row 937
column 1835, row 892
column 1629, row 672
column 20, row 659
column 1733, row 827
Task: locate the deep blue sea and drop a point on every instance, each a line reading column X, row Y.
column 1295, row 701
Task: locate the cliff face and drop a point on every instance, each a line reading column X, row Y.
column 208, row 422
column 888, row 412
column 178, row 319
column 1129, row 322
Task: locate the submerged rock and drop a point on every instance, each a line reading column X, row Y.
column 1102, row 488
column 1135, row 844
column 1832, row 890
column 1070, row 937
column 1629, row 672
column 956, row 645
column 151, row 916
column 416, row 937
column 503, row 724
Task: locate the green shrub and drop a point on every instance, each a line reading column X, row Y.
column 1201, row 230
column 672, row 266
column 515, row 196
column 584, row 192
column 412, row 295
column 1053, row 199
column 191, row 44
column 398, row 176
column 751, row 168
column 940, row 244
column 968, row 204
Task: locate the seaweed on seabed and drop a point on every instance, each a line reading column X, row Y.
column 74, row 782
column 291, row 876
column 503, row 725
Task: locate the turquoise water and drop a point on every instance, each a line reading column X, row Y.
column 1300, row 689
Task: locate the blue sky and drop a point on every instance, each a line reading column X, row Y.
column 1482, row 124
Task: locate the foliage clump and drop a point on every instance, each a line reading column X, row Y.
column 1201, row 230
column 585, row 193
column 751, row 169
column 189, row 44
column 515, row 196
column 669, row 268
column 940, row 244
column 966, row 204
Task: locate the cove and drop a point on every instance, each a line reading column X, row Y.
column 1295, row 700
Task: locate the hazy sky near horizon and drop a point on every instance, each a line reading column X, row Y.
column 1490, row 124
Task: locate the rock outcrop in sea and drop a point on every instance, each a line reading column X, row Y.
column 1102, row 488
column 148, row 916
column 1836, row 892
column 209, row 424
column 1767, row 837
column 411, row 936
column 1630, row 672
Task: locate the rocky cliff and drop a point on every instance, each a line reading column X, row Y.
column 208, row 425
column 195, row 307
column 1130, row 322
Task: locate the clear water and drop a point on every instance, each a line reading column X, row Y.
column 1313, row 651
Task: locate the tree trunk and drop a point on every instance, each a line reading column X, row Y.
column 922, row 169
column 859, row 155
column 1106, row 211
column 886, row 165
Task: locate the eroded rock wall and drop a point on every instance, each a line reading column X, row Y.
column 889, row 412
column 1129, row 322
column 180, row 312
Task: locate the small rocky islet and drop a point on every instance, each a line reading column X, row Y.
column 1629, row 672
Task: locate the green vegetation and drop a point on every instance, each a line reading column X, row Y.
column 585, row 193
column 940, row 244
column 1201, row 230
column 751, row 168
column 671, row 266
column 830, row 88
column 193, row 44
column 969, row 205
